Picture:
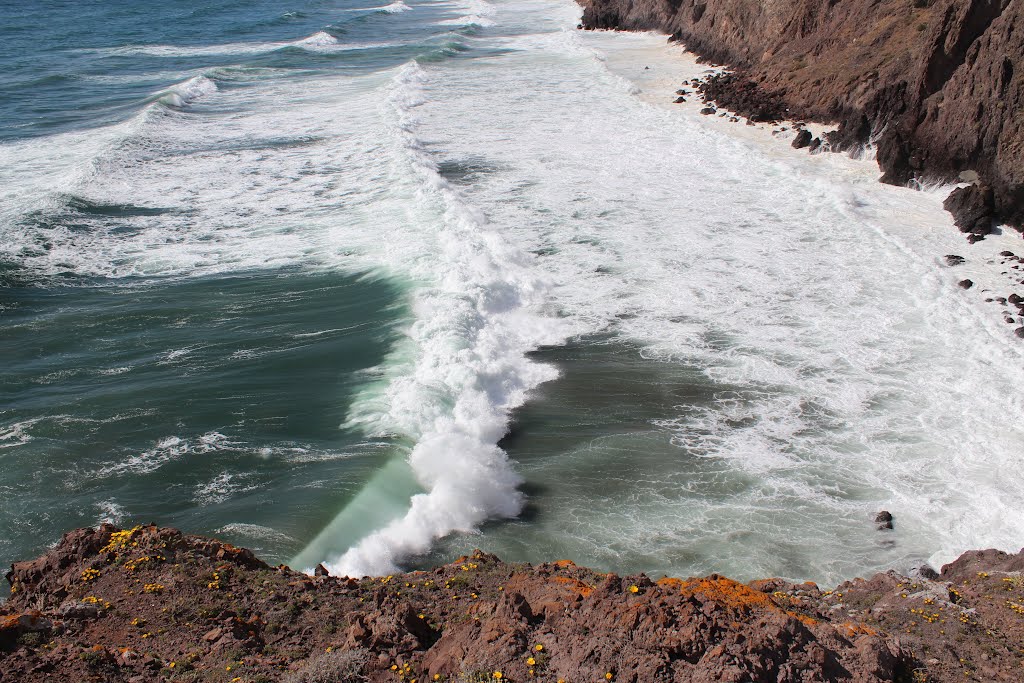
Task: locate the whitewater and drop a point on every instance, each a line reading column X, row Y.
column 374, row 286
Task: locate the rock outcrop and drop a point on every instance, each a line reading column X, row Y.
column 153, row 604
column 936, row 84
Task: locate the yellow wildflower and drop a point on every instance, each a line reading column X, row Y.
column 632, row 589
column 531, row 661
column 538, row 647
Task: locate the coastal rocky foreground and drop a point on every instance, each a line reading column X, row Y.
column 936, row 85
column 153, row 604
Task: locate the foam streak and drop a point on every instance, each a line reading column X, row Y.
column 473, row 329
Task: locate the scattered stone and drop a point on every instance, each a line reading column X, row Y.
column 973, row 209
column 73, row 609
column 966, row 284
column 926, row 572
column 1015, row 299
column 707, row 111
column 974, row 237
column 884, row 520
column 1006, row 253
column 1019, row 332
column 802, row 139
column 321, row 570
column 954, row 260
column 741, row 94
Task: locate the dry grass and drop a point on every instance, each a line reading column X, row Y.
column 336, row 666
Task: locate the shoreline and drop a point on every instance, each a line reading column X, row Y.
column 885, row 86
column 151, row 603
column 990, row 265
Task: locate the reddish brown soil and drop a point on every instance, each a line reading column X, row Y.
column 152, row 604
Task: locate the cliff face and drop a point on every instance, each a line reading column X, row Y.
column 938, row 83
column 152, row 604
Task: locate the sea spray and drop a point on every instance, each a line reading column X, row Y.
column 474, row 325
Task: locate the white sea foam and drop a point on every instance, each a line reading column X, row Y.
column 843, row 369
column 476, row 317
column 257, row 532
column 468, row 20
column 188, row 92
column 318, row 39
column 16, row 434
column 222, row 487
column 394, row 8
column 842, row 363
column 478, row 13
column 164, row 451
column 110, row 512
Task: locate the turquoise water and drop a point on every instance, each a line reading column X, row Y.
column 200, row 403
column 373, row 284
column 213, row 401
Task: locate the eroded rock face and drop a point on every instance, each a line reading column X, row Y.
column 936, row 83
column 154, row 604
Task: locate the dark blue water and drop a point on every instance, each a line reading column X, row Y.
column 66, row 66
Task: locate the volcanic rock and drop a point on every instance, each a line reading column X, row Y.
column 176, row 607
column 802, row 139
column 936, row 85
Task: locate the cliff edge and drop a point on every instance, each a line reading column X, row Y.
column 153, row 604
column 936, row 84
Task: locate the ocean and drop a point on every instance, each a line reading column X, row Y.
column 373, row 285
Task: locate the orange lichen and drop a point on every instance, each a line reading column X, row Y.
column 732, row 594
column 853, row 629
column 728, row 593
column 574, row 585
column 562, row 564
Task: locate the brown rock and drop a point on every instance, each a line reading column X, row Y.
column 802, row 139
column 936, row 83
column 479, row 615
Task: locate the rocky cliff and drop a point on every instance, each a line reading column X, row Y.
column 152, row 604
column 937, row 84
